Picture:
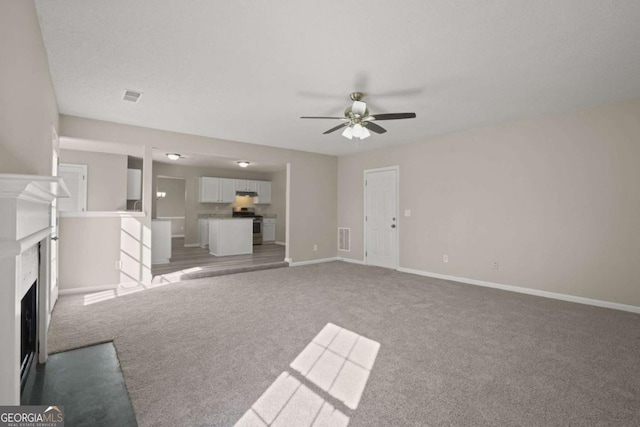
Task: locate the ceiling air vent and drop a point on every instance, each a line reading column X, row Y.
column 131, row 95
column 344, row 239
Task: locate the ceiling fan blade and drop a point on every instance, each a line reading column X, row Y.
column 336, row 128
column 374, row 127
column 392, row 116
column 341, row 118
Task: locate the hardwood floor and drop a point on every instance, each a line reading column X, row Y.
column 191, row 262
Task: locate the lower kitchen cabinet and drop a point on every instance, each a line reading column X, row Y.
column 268, row 230
column 203, row 232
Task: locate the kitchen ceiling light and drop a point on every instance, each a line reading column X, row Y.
column 173, row 156
column 243, row 164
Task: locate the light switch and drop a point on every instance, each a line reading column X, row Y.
column 407, row 212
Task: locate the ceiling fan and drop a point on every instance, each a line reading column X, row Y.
column 357, row 120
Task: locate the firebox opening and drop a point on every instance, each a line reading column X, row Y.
column 28, row 331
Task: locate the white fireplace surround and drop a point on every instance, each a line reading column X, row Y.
column 25, row 220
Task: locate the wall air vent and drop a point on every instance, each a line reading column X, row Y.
column 344, row 239
column 131, row 95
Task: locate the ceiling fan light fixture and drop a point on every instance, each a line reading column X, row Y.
column 348, row 132
column 173, row 156
column 357, row 130
column 359, row 108
column 243, row 163
column 365, row 133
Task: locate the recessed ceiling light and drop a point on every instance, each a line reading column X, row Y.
column 243, row 164
column 131, row 95
column 173, row 156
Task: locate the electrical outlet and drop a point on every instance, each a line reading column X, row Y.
column 445, row 258
column 118, row 265
column 496, row 265
column 315, row 247
column 407, row 212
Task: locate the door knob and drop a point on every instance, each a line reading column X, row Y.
column 55, row 239
column 393, row 226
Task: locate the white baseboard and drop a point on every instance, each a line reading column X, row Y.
column 352, row 261
column 177, row 235
column 191, row 245
column 281, row 243
column 312, row 261
column 528, row 291
column 87, row 289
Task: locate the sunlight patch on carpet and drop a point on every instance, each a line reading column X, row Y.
column 338, row 361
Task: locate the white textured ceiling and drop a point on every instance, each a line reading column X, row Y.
column 246, row 70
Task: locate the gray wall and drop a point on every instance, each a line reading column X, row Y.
column 555, row 201
column 106, row 180
column 173, row 205
column 28, row 110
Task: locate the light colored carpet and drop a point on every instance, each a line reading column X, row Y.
column 202, row 352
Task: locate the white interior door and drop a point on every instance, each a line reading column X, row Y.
column 75, row 176
column 381, row 214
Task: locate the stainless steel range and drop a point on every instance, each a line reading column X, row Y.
column 257, row 222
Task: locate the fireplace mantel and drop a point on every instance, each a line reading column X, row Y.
column 25, row 220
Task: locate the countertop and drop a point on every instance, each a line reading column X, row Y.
column 225, row 215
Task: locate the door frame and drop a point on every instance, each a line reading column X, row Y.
column 396, row 169
column 54, row 254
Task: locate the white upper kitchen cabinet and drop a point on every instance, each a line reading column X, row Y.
column 209, row 189
column 227, row 190
column 246, row 185
column 217, row 190
column 264, row 193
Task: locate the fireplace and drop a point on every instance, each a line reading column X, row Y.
column 28, row 331
column 25, row 292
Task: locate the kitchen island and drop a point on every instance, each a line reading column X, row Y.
column 230, row 236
